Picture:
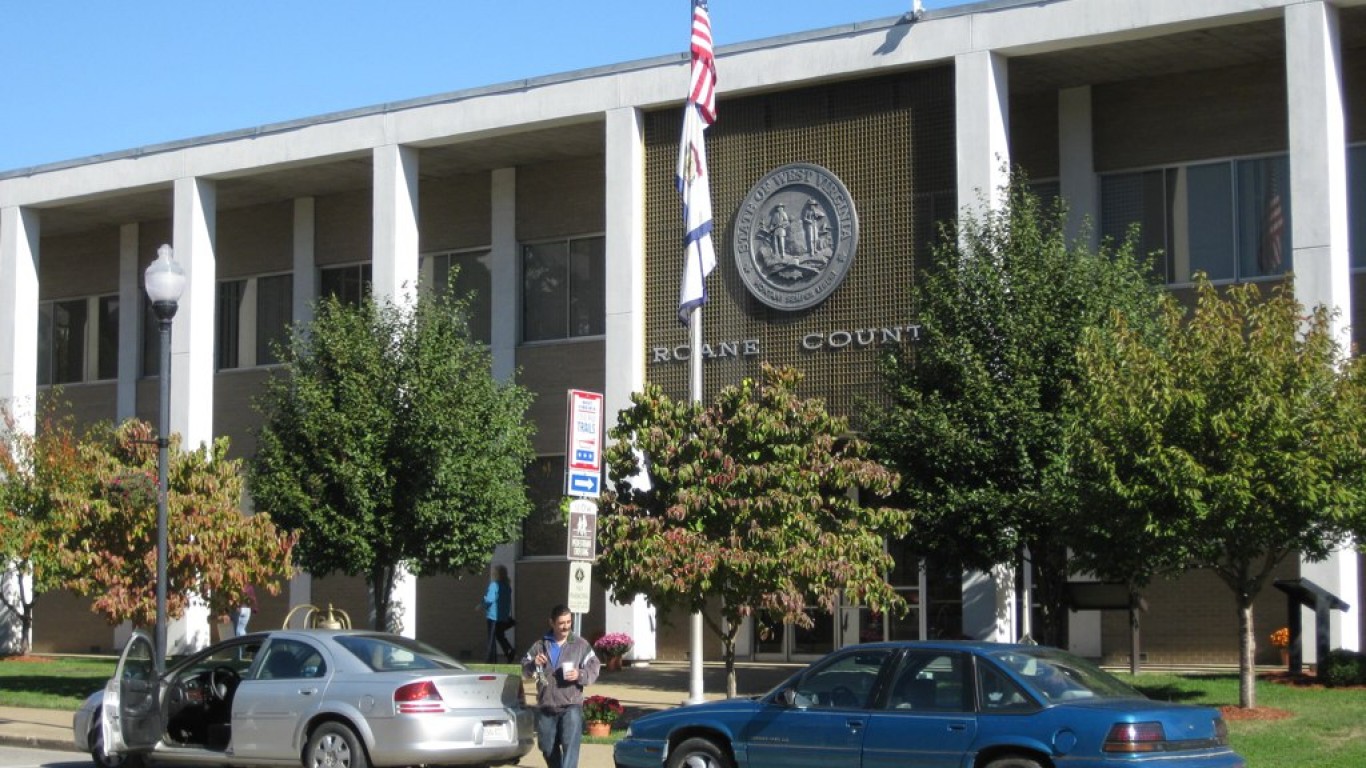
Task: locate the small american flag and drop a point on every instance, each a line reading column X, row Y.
column 703, row 89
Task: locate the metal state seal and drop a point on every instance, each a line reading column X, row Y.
column 795, row 236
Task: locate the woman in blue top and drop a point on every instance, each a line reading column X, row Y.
column 498, row 613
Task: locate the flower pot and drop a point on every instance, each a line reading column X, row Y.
column 613, row 663
column 1285, row 657
column 600, row 729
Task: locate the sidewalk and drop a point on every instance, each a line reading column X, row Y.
column 640, row 689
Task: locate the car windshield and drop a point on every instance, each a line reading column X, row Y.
column 383, row 653
column 1058, row 676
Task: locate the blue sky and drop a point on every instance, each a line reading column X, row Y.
column 83, row 77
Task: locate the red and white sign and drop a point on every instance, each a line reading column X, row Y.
column 583, row 456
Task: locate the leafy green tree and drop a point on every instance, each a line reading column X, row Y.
column 977, row 415
column 1231, row 442
column 388, row 444
column 107, row 543
column 757, row 500
column 36, row 469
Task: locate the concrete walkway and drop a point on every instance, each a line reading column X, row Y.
column 640, row 689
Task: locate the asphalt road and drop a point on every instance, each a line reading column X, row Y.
column 25, row 757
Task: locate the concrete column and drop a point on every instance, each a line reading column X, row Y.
column 504, row 270
column 192, row 334
column 131, row 295
column 625, row 322
column 394, row 260
column 305, row 290
column 1319, row 233
column 989, row 605
column 983, row 119
column 19, row 229
column 983, row 116
column 1076, row 161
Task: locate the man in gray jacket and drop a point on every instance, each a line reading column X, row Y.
column 562, row 664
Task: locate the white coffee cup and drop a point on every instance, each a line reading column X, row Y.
column 566, row 668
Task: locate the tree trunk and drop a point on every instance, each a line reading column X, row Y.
column 728, row 649
column 1247, row 651
column 381, row 593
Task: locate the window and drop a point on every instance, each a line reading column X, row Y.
column 563, row 284
column 61, row 341
column 350, row 285
column 844, row 682
column 274, row 313
column 473, row 282
column 230, row 296
column 931, row 681
column 253, row 316
column 107, row 349
column 544, row 531
column 1229, row 219
column 1356, row 204
column 78, row 340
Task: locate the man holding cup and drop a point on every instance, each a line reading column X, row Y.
column 562, row 665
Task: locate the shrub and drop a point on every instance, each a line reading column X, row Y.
column 1343, row 668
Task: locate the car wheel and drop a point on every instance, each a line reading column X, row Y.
column 102, row 760
column 699, row 753
column 333, row 745
column 1014, row 761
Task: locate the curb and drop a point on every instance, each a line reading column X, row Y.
column 39, row 742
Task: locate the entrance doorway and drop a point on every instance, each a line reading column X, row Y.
column 777, row 641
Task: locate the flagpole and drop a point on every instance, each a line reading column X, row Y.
column 696, row 694
column 699, row 255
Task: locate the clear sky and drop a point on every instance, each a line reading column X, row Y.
column 84, row 77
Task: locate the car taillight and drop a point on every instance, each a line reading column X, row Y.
column 418, row 698
column 1135, row 737
column 1221, row 731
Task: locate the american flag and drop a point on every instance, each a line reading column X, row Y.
column 703, row 87
column 699, row 253
column 1270, row 256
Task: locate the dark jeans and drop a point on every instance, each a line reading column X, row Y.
column 559, row 735
column 497, row 639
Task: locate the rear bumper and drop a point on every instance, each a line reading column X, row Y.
column 452, row 739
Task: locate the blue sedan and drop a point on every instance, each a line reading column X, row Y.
column 960, row 704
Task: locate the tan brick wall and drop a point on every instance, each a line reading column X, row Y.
column 1194, row 620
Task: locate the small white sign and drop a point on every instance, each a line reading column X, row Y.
column 580, row 586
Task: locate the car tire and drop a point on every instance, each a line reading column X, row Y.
column 699, row 753
column 1014, row 761
column 333, row 745
column 102, row 760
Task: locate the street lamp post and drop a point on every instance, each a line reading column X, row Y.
column 164, row 280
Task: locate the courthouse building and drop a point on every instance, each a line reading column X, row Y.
column 835, row 155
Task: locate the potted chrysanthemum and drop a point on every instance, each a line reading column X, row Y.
column 613, row 646
column 599, row 712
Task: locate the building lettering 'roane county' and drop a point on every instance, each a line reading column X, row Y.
column 837, row 155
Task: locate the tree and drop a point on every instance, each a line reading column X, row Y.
column 35, row 470
column 757, row 500
column 107, row 543
column 1231, row 442
column 977, row 413
column 387, row 443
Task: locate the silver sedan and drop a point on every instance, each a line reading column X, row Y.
column 316, row 698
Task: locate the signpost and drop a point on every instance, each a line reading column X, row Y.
column 583, row 480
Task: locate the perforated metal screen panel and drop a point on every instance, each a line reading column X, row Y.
column 890, row 140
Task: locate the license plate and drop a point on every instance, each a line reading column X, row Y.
column 496, row 731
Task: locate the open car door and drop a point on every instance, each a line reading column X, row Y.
column 131, row 714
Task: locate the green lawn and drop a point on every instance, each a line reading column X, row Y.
column 1326, row 729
